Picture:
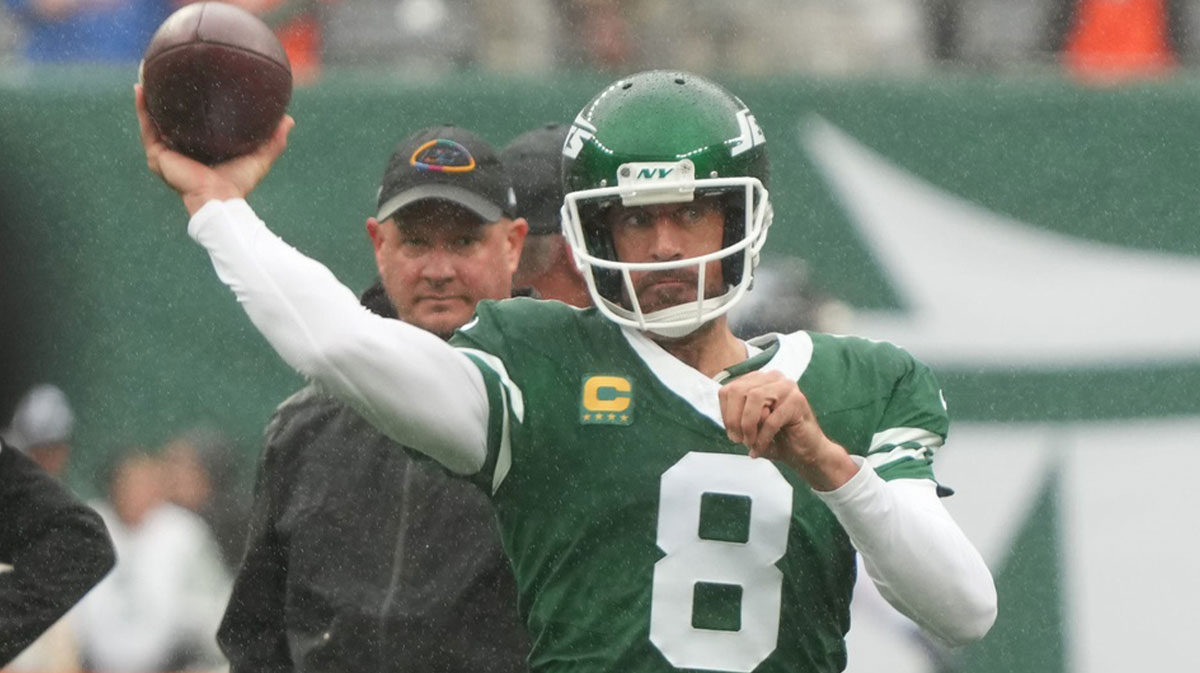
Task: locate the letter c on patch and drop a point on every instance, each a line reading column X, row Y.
column 606, row 393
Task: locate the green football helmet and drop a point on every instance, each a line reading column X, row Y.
column 665, row 137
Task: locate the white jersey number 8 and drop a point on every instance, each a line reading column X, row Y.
column 691, row 559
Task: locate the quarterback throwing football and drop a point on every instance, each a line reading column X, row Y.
column 671, row 497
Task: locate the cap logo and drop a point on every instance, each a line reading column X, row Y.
column 443, row 155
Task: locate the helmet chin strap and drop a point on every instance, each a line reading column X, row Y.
column 674, row 332
column 676, row 322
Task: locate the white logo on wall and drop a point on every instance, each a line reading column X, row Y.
column 981, row 288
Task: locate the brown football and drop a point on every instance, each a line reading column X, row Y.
column 216, row 81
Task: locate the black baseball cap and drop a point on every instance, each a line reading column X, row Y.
column 534, row 160
column 450, row 164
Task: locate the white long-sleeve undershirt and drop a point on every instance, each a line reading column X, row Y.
column 425, row 394
column 404, row 380
column 917, row 556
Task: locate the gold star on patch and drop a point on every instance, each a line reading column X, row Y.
column 624, row 418
column 587, row 417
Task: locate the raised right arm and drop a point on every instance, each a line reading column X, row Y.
column 407, row 382
column 404, row 380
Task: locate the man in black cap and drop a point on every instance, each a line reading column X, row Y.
column 362, row 556
column 534, row 160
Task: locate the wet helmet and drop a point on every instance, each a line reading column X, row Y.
column 665, row 137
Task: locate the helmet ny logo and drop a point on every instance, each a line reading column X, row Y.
column 606, row 400
column 657, row 182
column 654, row 173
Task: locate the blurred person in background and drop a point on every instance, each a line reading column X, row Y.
column 41, row 428
column 89, row 31
column 518, row 35
column 202, row 476
column 1114, row 40
column 823, row 36
column 534, row 160
column 786, row 300
column 53, row 549
column 363, row 556
column 158, row 610
column 434, row 37
column 298, row 25
column 604, row 32
column 118, row 31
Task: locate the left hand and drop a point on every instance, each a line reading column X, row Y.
column 768, row 413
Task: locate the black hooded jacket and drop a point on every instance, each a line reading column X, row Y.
column 364, row 556
column 53, row 549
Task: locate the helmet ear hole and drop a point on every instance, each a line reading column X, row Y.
column 598, row 239
column 733, row 266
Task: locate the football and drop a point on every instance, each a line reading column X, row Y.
column 216, row 81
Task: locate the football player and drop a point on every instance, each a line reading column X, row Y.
column 671, row 497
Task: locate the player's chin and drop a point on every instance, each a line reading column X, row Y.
column 660, row 297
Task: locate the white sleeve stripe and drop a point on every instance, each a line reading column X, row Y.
column 504, row 453
column 896, row 436
column 510, row 396
column 497, row 365
column 878, row 460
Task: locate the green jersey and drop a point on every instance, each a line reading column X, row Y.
column 642, row 539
